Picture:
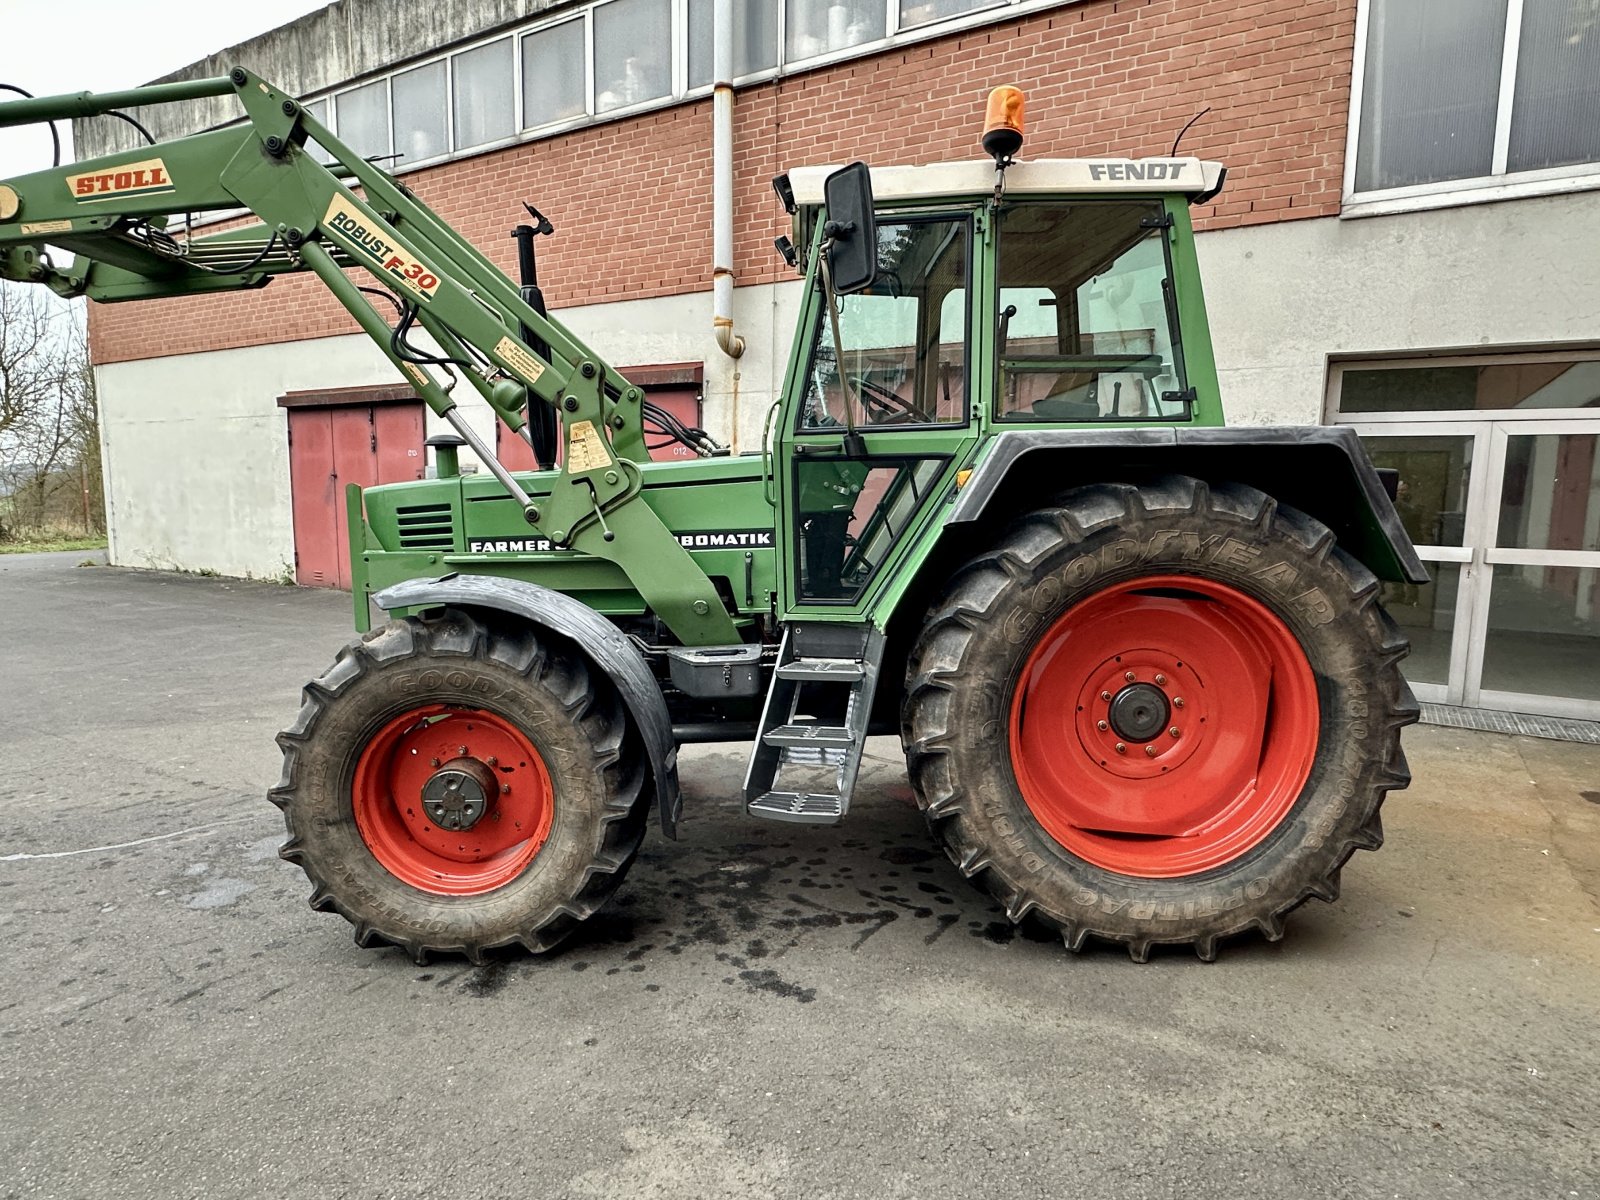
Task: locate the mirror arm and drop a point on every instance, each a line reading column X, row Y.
column 854, row 446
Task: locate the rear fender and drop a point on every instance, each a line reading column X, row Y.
column 591, row 635
column 1321, row 470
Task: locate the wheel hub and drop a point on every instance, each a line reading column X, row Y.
column 1139, row 712
column 457, row 795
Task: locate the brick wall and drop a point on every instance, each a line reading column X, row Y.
column 631, row 200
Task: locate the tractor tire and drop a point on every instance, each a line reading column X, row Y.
column 1161, row 714
column 547, row 810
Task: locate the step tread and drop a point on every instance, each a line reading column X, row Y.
column 842, row 670
column 811, row 808
column 830, row 737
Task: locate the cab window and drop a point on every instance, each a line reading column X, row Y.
column 1087, row 330
column 904, row 341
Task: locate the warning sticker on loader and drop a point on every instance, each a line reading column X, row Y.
column 349, row 225
column 519, row 360
column 586, row 449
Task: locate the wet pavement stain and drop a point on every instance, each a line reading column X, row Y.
column 487, row 979
column 747, row 904
column 944, row 921
column 905, row 856
column 768, row 981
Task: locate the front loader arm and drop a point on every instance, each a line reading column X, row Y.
column 124, row 217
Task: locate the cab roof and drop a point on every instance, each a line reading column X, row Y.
column 1113, row 176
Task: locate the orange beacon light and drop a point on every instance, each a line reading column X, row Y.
column 1002, row 124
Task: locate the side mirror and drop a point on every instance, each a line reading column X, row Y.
column 851, row 231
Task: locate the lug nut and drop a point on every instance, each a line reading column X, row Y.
column 1150, row 750
column 461, row 750
column 505, row 789
column 1161, row 681
column 433, row 762
column 1129, row 676
column 491, row 761
column 1105, row 695
column 1173, row 731
column 1177, row 702
column 1101, row 726
column 1122, row 748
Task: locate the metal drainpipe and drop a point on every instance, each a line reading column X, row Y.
column 730, row 343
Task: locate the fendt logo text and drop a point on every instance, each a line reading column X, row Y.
column 1133, row 169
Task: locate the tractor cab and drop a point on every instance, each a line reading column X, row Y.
column 1028, row 295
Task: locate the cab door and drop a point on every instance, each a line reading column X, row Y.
column 875, row 430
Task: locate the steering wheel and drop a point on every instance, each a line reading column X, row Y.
column 887, row 407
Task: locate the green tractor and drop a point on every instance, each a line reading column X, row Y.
column 1137, row 660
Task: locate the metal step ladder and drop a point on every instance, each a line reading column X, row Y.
column 814, row 724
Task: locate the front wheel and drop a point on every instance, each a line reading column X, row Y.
column 455, row 785
column 1159, row 714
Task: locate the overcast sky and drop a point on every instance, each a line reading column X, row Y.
column 53, row 46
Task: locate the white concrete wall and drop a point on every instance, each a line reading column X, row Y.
column 1285, row 298
column 197, row 453
column 678, row 329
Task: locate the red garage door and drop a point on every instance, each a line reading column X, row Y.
column 675, row 387
column 334, row 442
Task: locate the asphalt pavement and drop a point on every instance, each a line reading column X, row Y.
column 764, row 1010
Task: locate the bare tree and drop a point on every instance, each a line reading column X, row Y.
column 49, row 418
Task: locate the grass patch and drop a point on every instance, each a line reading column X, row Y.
column 47, row 544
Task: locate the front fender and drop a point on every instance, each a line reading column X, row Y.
column 596, row 638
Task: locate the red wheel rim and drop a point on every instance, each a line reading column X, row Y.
column 387, row 790
column 1192, row 655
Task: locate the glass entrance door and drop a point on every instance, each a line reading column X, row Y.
column 1535, row 634
column 1507, row 516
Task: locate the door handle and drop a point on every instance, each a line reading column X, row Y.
column 851, row 445
column 766, row 456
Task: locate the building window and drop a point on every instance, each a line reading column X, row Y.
column 421, row 119
column 632, row 53
column 924, row 12
column 1555, row 110
column 1518, row 388
column 1463, row 94
column 617, row 56
column 319, row 113
column 485, row 95
column 755, row 39
column 817, row 27
column 363, row 116
column 553, row 85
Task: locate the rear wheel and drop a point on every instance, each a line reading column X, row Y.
column 452, row 785
column 1164, row 714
